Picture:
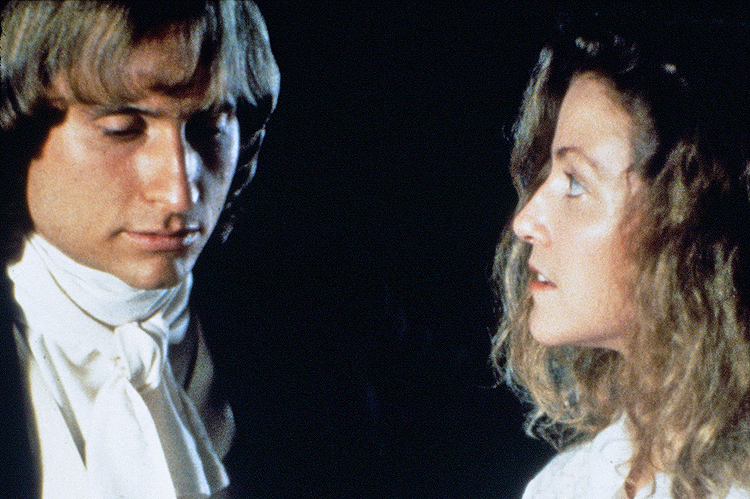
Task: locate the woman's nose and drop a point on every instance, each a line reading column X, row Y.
column 530, row 223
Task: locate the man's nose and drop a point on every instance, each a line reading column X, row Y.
column 171, row 170
column 530, row 223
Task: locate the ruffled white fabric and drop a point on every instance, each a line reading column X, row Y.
column 100, row 348
column 597, row 470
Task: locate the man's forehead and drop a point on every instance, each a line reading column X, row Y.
column 159, row 106
column 153, row 70
column 191, row 58
column 171, row 61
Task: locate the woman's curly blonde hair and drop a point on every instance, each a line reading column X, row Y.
column 686, row 393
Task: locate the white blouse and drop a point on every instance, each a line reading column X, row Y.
column 597, row 470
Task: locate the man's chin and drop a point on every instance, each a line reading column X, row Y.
column 154, row 278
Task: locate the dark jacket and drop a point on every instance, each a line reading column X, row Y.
column 19, row 477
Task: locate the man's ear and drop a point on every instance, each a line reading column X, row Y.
column 246, row 166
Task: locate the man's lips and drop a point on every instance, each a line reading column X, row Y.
column 163, row 240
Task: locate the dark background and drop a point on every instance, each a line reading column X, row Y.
column 357, row 309
column 354, row 298
column 351, row 310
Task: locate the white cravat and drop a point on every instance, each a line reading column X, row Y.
column 101, row 347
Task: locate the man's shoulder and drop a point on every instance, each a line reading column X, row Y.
column 18, row 473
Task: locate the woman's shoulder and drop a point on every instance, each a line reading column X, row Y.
column 597, row 470
column 593, row 469
column 736, row 493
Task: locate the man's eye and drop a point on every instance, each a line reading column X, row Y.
column 122, row 133
column 207, row 125
column 574, row 187
column 122, row 127
column 207, row 131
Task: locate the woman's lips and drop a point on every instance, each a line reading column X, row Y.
column 539, row 282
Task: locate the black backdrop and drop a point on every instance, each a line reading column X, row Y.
column 350, row 311
column 357, row 311
column 357, row 306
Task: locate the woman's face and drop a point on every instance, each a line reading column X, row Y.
column 580, row 272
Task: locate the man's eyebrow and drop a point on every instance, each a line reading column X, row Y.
column 102, row 111
column 561, row 152
column 131, row 109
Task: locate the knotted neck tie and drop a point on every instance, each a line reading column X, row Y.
column 101, row 346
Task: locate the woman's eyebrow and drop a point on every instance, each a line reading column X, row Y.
column 561, row 152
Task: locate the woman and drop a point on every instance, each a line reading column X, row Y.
column 623, row 277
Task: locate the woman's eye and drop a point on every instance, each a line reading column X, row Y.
column 574, row 187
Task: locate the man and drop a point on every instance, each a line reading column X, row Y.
column 127, row 131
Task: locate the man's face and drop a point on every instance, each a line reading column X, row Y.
column 135, row 190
